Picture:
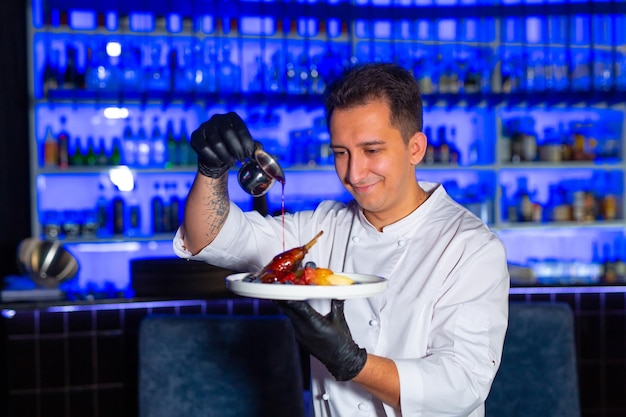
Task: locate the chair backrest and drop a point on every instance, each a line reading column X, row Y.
column 538, row 376
column 226, row 366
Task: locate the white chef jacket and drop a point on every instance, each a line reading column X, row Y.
column 442, row 319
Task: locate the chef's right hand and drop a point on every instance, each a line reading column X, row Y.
column 220, row 142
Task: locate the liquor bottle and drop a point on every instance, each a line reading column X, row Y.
column 206, row 73
column 157, row 145
column 611, row 195
column 101, row 153
column 103, row 212
column 63, row 139
column 157, row 76
column 97, row 73
column 71, row 76
column 609, row 273
column 50, row 149
column 116, row 153
column 143, row 146
column 524, row 202
column 51, row 72
column 158, row 210
column 455, row 155
column 172, row 68
column 186, row 154
column 229, row 74
column 619, row 247
column 474, row 152
column 78, row 158
column 165, row 191
column 184, row 72
column 130, row 72
column 119, row 212
column 173, row 154
column 579, row 53
column 174, row 208
column 133, row 214
column 130, row 146
column 91, row 158
column 443, row 156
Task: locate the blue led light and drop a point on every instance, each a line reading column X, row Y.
column 8, row 313
column 138, row 304
column 568, row 290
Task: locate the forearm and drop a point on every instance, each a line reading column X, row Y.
column 380, row 377
column 206, row 210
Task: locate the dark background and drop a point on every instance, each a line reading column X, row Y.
column 14, row 153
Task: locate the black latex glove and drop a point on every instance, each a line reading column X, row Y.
column 328, row 337
column 220, row 142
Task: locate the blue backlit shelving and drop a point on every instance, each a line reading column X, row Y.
column 524, row 110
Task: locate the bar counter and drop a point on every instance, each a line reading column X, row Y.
column 73, row 358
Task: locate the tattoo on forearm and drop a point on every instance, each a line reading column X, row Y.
column 218, row 207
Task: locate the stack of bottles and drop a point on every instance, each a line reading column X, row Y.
column 571, row 200
column 579, row 140
column 133, row 147
column 121, row 213
column 607, row 266
column 441, row 149
column 299, row 55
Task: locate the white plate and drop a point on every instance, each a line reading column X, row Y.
column 364, row 286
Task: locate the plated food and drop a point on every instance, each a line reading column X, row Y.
column 364, row 286
column 297, row 282
column 286, row 268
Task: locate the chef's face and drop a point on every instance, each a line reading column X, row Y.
column 374, row 163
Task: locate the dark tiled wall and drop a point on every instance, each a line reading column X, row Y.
column 78, row 361
column 82, row 361
column 600, row 326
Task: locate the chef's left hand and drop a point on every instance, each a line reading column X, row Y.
column 328, row 337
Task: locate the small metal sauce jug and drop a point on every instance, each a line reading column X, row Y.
column 257, row 175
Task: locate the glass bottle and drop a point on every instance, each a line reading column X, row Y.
column 91, row 159
column 101, row 155
column 63, row 139
column 78, row 158
column 174, row 211
column 116, row 152
column 130, row 145
column 143, row 146
column 133, row 213
column 71, row 76
column 173, row 154
column 50, row 76
column 50, row 149
column 157, row 145
column 229, row 75
column 158, row 210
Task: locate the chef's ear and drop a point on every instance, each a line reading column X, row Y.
column 417, row 147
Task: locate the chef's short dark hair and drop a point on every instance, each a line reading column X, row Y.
column 389, row 82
